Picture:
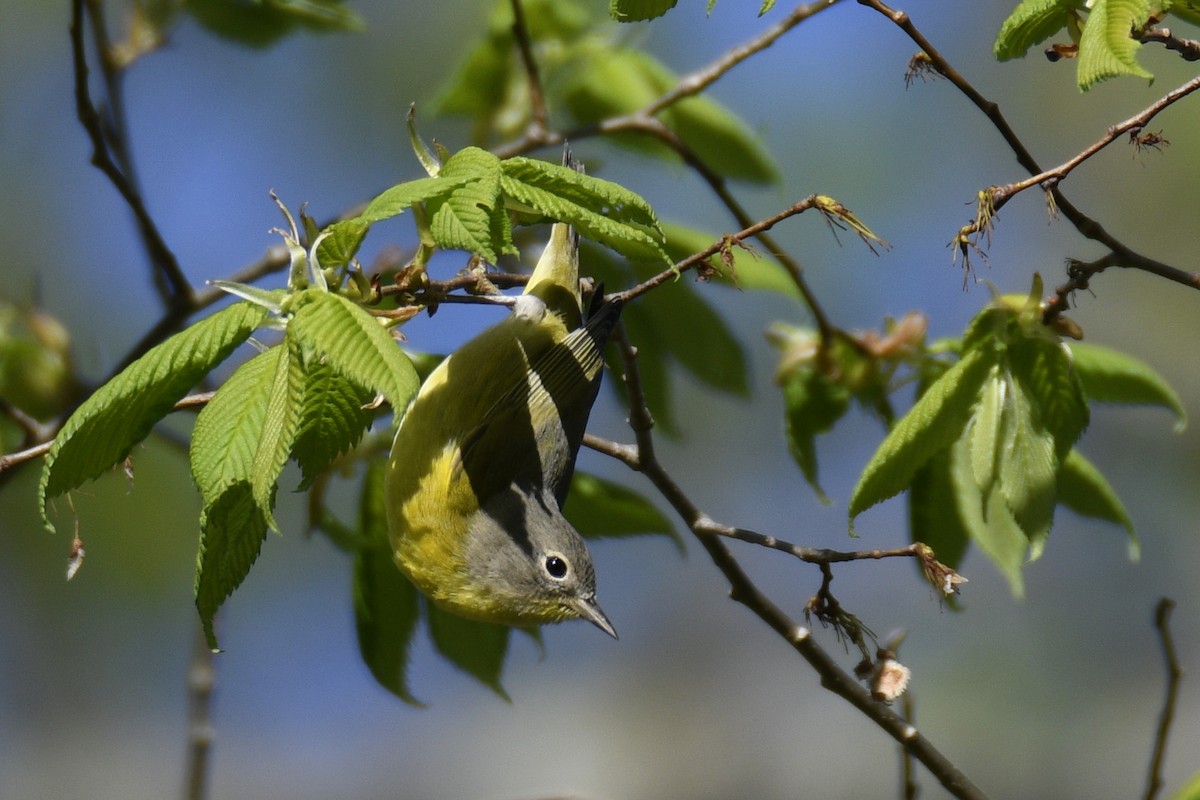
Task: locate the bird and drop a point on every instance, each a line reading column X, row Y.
column 483, row 457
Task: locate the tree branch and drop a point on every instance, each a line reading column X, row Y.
column 1162, row 617
column 743, row 590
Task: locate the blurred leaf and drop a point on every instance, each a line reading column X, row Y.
column 987, row 518
column 749, row 269
column 386, row 605
column 122, row 412
column 1043, row 369
column 605, row 81
column 813, row 403
column 637, row 10
column 1106, row 49
column 1189, row 790
column 355, row 345
column 259, row 23
column 1027, row 464
column 477, row 648
column 1110, row 376
column 1085, row 491
column 35, row 362
column 933, row 511
column 1032, row 22
column 601, row 509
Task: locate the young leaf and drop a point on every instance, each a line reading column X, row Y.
column 1032, row 22
column 1110, row 376
column 637, row 10
column 987, row 518
column 1043, row 369
column 246, row 431
column 121, row 413
column 340, row 243
column 935, row 421
column 395, row 200
column 599, row 210
column 1028, row 466
column 601, row 509
column 1085, row 491
column 1106, row 49
column 386, row 604
column 477, row 648
column 466, row 218
column 232, row 529
column 333, row 417
column 933, row 511
column 355, row 345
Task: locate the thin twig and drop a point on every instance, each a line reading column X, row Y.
column 537, row 98
column 201, row 677
column 1162, row 617
column 1188, row 49
column 1050, row 177
column 174, row 286
column 744, row 591
column 1124, row 256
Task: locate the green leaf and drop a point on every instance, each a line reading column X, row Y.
column 333, row 418
column 469, row 217
column 1032, row 22
column 122, row 412
column 386, row 605
column 1189, row 790
column 341, row 242
column 933, row 511
column 696, row 336
column 748, row 270
column 1043, row 368
column 1106, row 49
column 988, row 519
column 637, row 10
column 813, row 403
column 601, row 509
column 599, row 210
column 477, row 648
column 607, row 81
column 263, row 22
column 932, row 424
column 1085, row 491
column 1110, row 376
column 246, row 431
column 232, row 529
column 395, row 200
column 1028, row 465
column 355, row 345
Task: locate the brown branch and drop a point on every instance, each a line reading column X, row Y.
column 743, row 590
column 173, row 285
column 1050, row 177
column 1162, row 617
column 537, row 99
column 1089, row 228
column 1188, row 49
column 201, row 676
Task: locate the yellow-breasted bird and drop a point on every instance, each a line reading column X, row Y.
column 483, row 458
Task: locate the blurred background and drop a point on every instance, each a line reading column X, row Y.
column 1057, row 695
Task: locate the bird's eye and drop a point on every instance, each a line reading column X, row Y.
column 556, row 567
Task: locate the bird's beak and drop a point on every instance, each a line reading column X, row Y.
column 589, row 609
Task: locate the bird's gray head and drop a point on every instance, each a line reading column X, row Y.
column 527, row 561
